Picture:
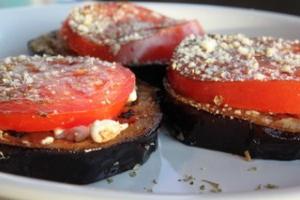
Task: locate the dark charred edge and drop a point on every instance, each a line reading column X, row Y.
column 51, row 44
column 87, row 165
column 213, row 131
column 78, row 167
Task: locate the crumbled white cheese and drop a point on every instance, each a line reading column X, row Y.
column 209, row 45
column 105, row 130
column 82, row 28
column 136, row 167
column 93, row 22
column 8, row 60
column 27, row 78
column 47, row 140
column 259, row 76
column 22, row 57
column 244, row 40
column 270, row 52
column 286, row 69
column 244, row 50
column 237, row 112
column 58, row 132
column 26, row 142
column 132, row 96
column 252, row 113
column 21, row 77
column 207, row 57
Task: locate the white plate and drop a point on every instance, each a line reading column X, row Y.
column 173, row 160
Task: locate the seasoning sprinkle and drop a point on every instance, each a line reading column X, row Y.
column 258, row 187
column 215, row 187
column 22, row 76
column 271, row 186
column 216, row 57
column 266, row 186
column 202, row 187
column 126, row 24
column 109, row 180
column 252, row 169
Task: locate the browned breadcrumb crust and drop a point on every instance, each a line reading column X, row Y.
column 218, row 57
column 122, row 23
column 22, row 77
column 287, row 123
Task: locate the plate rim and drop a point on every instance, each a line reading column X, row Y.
column 209, row 6
column 69, row 191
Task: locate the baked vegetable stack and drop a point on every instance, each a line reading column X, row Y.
column 73, row 119
column 236, row 94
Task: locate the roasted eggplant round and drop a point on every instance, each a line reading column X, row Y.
column 86, row 161
column 198, row 127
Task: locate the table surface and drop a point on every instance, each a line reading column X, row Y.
column 284, row 6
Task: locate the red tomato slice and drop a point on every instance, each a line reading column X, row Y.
column 265, row 96
column 151, row 37
column 44, row 93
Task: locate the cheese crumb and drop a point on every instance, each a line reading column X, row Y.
column 105, row 130
column 47, row 140
column 209, row 45
column 58, row 132
column 244, row 51
column 132, row 96
column 113, row 30
column 237, row 112
column 218, row 100
column 259, row 76
column 270, row 52
column 286, row 69
column 209, row 57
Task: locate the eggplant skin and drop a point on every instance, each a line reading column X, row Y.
column 217, row 132
column 152, row 74
column 86, row 162
column 77, row 167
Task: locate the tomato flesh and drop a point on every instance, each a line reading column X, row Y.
column 278, row 96
column 157, row 47
column 75, row 95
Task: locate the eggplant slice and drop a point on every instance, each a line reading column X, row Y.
column 86, row 162
column 51, row 44
column 200, row 128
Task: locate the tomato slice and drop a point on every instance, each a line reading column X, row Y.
column 44, row 93
column 137, row 36
column 265, row 96
column 259, row 73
